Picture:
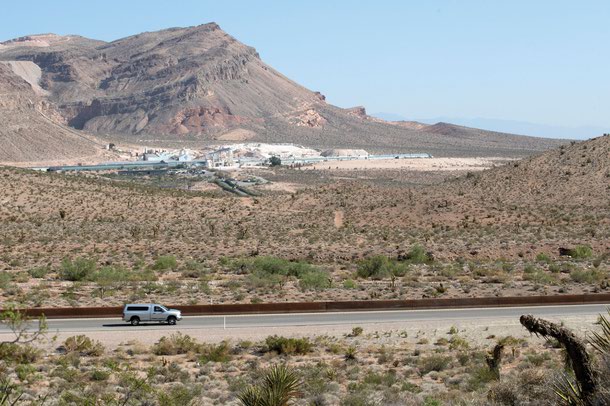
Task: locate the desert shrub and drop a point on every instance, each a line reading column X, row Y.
column 216, row 353
column 314, row 280
column 537, row 359
column 554, row 268
column 39, row 272
column 350, row 353
column 165, row 262
column 288, row 346
column 349, row 284
column 109, row 277
column 581, row 252
column 458, row 343
column 381, row 267
column 479, row 378
column 78, row 270
column 434, row 362
column 587, row 276
column 380, row 379
column 24, row 371
column 270, row 271
column 542, row 257
column 99, row 375
column 84, row 346
column 194, row 269
column 356, row 331
column 18, row 353
column 539, row 277
column 418, row 255
column 179, row 395
column 410, row 387
column 5, row 279
column 177, row 343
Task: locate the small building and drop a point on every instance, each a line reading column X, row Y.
column 184, row 156
column 156, row 156
column 220, row 158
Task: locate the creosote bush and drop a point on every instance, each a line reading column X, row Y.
column 79, row 269
column 381, row 267
column 177, row 343
column 288, row 346
column 83, row 345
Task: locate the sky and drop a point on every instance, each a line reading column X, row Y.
column 541, row 62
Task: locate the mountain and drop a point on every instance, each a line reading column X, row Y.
column 30, row 129
column 199, row 84
column 577, row 174
column 524, row 127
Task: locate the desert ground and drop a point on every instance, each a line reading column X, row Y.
column 406, row 363
column 320, row 234
column 420, row 164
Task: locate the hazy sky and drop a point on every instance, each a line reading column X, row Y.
column 538, row 61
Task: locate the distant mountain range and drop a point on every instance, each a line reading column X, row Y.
column 187, row 87
column 511, row 126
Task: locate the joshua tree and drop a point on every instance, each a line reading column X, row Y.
column 583, row 391
column 279, row 387
column 494, row 359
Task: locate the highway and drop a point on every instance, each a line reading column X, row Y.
column 256, row 322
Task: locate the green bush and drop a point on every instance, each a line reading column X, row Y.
column 194, row 269
column 434, row 362
column 5, row 279
column 314, row 280
column 179, row 395
column 84, row 346
column 271, row 271
column 581, row 252
column 590, row 276
column 24, row 371
column 18, row 353
column 164, row 263
column 288, row 346
column 381, row 267
column 176, row 344
column 216, row 353
column 78, row 270
column 39, row 272
column 539, row 277
column 380, row 379
column 542, row 257
column 99, row 375
column 356, row 331
column 418, row 255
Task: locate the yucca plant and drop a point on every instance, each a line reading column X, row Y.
column 601, row 341
column 279, row 387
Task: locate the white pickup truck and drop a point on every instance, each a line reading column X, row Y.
column 137, row 313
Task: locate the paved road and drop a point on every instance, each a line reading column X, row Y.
column 330, row 319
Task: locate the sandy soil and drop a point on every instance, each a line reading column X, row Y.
column 419, row 164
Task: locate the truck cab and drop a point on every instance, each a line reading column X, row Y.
column 150, row 312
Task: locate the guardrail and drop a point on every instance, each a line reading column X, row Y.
column 314, row 307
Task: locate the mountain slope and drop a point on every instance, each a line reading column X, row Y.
column 30, row 131
column 577, row 174
column 200, row 84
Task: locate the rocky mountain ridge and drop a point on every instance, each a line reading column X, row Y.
column 199, row 84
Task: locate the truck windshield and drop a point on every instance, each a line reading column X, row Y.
column 163, row 308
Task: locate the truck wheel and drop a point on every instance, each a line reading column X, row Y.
column 171, row 320
column 135, row 321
